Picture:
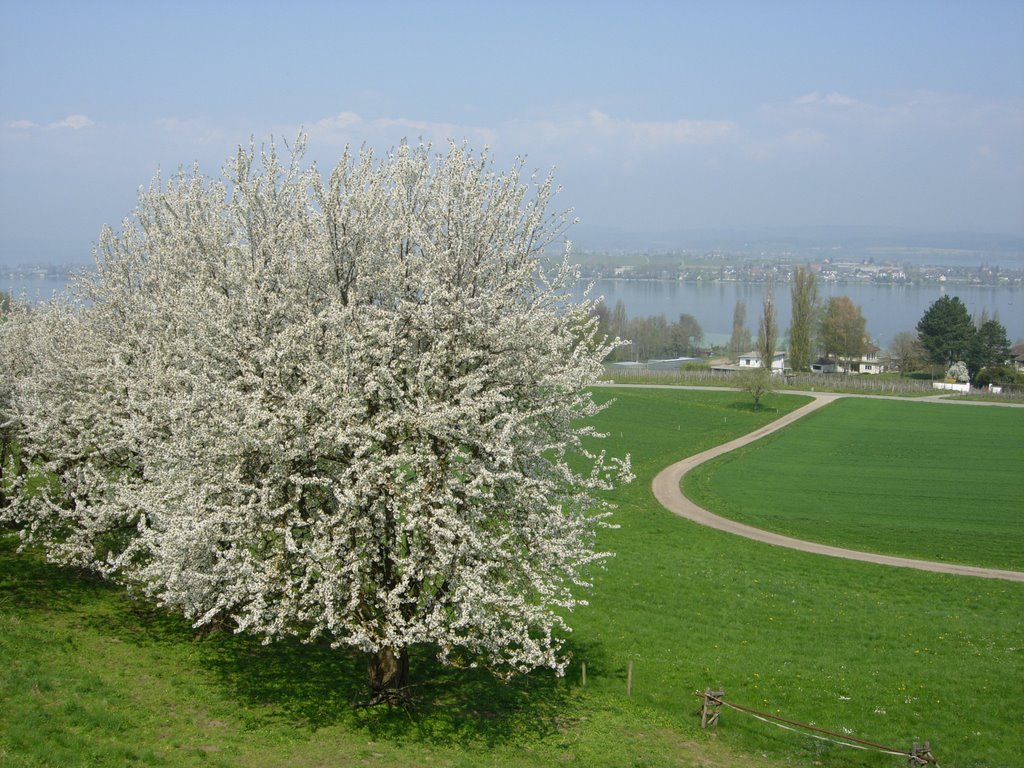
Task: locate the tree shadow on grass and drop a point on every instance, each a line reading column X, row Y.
column 28, row 582
column 310, row 685
column 458, row 705
column 313, row 686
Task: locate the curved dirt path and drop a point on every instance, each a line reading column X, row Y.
column 669, row 494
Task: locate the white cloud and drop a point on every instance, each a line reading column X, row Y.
column 592, row 132
column 909, row 116
column 798, row 141
column 681, row 131
column 803, row 140
column 834, row 99
column 74, row 122
column 194, row 130
column 340, row 122
column 351, row 128
column 599, row 128
column 836, row 109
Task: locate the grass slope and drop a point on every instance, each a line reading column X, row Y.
column 91, row 678
column 886, row 653
column 924, row 480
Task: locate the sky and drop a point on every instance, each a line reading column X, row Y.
column 655, row 116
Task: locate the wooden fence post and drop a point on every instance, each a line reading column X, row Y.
column 584, row 674
column 629, row 679
column 921, row 754
column 711, row 707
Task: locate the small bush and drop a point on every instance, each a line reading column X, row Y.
column 1000, row 375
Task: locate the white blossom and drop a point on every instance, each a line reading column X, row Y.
column 958, row 372
column 349, row 408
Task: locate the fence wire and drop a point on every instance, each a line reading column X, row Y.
column 840, row 739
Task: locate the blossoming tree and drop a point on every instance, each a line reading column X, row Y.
column 351, row 408
column 958, row 372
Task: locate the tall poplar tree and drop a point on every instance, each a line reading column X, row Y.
column 768, row 331
column 804, row 293
column 739, row 342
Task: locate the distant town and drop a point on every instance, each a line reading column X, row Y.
column 713, row 266
column 725, row 267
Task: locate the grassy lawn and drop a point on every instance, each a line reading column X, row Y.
column 923, row 480
column 92, row 678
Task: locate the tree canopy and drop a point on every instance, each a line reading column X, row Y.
column 905, row 352
column 768, row 331
column 739, row 341
column 804, row 294
column 650, row 337
column 989, row 346
column 843, row 330
column 945, row 331
column 757, row 382
column 10, row 464
column 350, row 408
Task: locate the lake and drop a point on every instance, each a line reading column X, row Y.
column 888, row 309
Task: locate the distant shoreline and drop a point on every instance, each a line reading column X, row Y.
column 708, row 268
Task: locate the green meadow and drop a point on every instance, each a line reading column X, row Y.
column 91, row 677
column 928, row 480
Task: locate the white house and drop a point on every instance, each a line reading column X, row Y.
column 753, row 360
column 827, row 365
column 1017, row 356
column 868, row 363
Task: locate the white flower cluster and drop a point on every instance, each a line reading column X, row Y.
column 351, row 409
column 958, row 372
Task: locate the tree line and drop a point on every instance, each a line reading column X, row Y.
column 946, row 335
column 835, row 330
column 649, row 338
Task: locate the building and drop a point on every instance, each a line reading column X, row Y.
column 1017, row 356
column 752, row 359
column 869, row 362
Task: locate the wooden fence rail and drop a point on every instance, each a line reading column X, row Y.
column 712, row 701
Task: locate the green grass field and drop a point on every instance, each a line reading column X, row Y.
column 92, row 678
column 926, row 480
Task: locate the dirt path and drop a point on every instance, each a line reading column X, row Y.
column 667, row 491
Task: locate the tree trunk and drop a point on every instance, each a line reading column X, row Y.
column 389, row 676
column 4, row 446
